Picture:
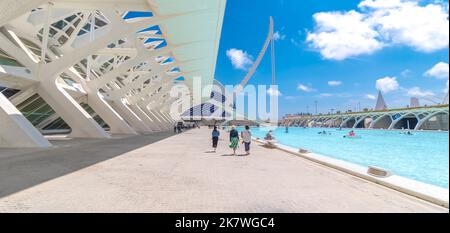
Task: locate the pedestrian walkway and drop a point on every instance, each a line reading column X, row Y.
column 165, row 173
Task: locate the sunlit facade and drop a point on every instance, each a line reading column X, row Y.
column 93, row 69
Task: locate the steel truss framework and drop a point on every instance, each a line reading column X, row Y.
column 100, row 67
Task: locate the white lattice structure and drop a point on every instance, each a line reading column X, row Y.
column 422, row 118
column 100, row 67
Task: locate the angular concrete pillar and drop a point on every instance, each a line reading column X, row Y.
column 167, row 115
column 166, row 122
column 162, row 123
column 16, row 130
column 134, row 120
column 148, row 121
column 116, row 123
column 81, row 123
column 155, row 119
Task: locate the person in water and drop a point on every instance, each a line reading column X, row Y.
column 215, row 138
column 234, row 139
column 246, row 139
column 352, row 134
column 269, row 136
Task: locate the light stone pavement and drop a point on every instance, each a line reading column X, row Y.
column 177, row 174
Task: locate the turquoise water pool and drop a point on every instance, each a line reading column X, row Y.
column 423, row 156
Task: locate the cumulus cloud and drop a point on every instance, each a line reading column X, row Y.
column 387, row 84
column 334, row 83
column 380, row 23
column 370, row 97
column 304, row 88
column 380, row 4
column 439, row 71
column 240, row 59
column 417, row 92
column 341, row 35
column 278, row 36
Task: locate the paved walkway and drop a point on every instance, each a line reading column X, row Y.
column 157, row 173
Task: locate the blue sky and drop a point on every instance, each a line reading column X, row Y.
column 333, row 52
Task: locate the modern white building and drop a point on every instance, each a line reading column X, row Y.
column 94, row 69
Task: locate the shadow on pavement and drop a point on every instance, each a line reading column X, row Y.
column 22, row 169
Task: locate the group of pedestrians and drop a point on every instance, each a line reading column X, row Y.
column 180, row 126
column 245, row 138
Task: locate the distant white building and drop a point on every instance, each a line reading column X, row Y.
column 381, row 104
column 414, row 102
column 445, row 99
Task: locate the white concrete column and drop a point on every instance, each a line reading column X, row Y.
column 165, row 124
column 16, row 130
column 168, row 119
column 116, row 123
column 148, row 121
column 164, row 117
column 155, row 119
column 81, row 123
column 167, row 115
column 135, row 121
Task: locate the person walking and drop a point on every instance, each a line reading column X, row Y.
column 234, row 139
column 179, row 127
column 247, row 139
column 215, row 138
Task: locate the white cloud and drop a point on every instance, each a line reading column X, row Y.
column 380, row 3
column 380, row 23
column 406, row 73
column 424, row 28
column 326, row 95
column 334, row 83
column 278, row 36
column 439, row 71
column 417, row 92
column 290, row 97
column 240, row 59
column 342, row 35
column 387, row 84
column 305, row 88
column 371, row 97
column 273, row 92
